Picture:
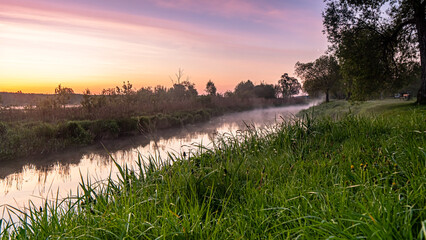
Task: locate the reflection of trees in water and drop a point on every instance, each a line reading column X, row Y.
column 12, row 172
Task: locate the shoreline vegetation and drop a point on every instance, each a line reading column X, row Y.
column 353, row 176
column 50, row 125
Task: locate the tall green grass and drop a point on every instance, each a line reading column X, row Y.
column 355, row 178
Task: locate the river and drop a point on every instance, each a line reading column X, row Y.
column 39, row 178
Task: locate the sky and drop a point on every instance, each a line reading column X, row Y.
column 98, row 44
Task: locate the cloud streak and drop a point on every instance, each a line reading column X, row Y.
column 117, row 43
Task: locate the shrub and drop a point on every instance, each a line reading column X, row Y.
column 144, row 124
column 127, row 124
column 74, row 132
column 45, row 130
column 102, row 129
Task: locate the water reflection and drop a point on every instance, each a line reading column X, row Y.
column 42, row 177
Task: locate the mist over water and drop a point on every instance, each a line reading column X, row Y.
column 41, row 178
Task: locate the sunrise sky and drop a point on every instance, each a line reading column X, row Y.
column 99, row 44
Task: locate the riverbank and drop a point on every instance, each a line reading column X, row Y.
column 24, row 138
column 356, row 177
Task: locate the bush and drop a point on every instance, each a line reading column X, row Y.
column 104, row 129
column 144, row 124
column 45, row 130
column 127, row 124
column 74, row 132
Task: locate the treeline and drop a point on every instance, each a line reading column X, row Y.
column 52, row 124
column 126, row 101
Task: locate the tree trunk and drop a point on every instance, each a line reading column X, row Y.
column 327, row 99
column 419, row 17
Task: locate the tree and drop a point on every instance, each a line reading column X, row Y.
column 63, row 95
column 127, row 88
column 244, row 89
column 396, row 28
column 321, row 75
column 211, row 88
column 288, row 86
column 264, row 90
column 183, row 90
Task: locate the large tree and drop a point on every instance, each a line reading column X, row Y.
column 321, row 75
column 395, row 30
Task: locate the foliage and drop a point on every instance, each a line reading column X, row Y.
column 288, row 86
column 63, row 95
column 183, row 90
column 377, row 41
column 322, row 75
column 47, row 104
column 356, row 178
column 264, row 90
column 210, row 88
column 244, row 89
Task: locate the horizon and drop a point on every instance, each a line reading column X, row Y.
column 100, row 44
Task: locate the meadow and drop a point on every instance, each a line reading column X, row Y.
column 352, row 176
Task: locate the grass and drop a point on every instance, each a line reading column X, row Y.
column 339, row 108
column 356, row 177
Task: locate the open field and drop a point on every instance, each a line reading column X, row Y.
column 360, row 176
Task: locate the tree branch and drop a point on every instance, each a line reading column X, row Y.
column 400, row 26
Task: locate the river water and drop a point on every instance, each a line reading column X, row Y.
column 39, row 178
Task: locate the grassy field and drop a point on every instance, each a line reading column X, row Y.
column 340, row 108
column 360, row 176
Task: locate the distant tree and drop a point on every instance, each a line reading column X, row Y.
column 88, row 101
column 228, row 94
column 190, row 88
column 145, row 93
column 110, row 91
column 211, row 88
column 47, row 104
column 265, row 91
column 63, row 95
column 288, row 86
column 245, row 89
column 127, row 88
column 183, row 90
column 179, row 75
column 321, row 75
